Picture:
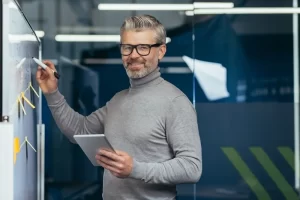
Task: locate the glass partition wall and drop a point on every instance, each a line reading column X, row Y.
column 246, row 96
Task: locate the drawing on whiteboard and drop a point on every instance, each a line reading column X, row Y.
column 22, row 97
column 32, row 88
column 19, row 65
column 21, row 104
column 26, row 142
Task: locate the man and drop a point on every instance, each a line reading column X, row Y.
column 152, row 125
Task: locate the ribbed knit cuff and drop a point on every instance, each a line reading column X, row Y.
column 53, row 98
column 138, row 170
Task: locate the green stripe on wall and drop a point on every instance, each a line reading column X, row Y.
column 288, row 155
column 246, row 173
column 274, row 173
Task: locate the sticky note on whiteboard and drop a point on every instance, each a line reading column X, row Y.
column 16, row 148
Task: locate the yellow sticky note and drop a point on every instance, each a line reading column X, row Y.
column 16, row 148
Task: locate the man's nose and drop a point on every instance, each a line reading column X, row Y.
column 134, row 53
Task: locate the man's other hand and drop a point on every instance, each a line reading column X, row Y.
column 119, row 164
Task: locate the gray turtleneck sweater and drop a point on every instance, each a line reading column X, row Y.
column 155, row 123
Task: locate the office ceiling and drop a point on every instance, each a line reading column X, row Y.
column 83, row 17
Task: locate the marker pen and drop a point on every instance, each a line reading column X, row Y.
column 45, row 66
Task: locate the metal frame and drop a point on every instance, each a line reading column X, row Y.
column 41, row 162
column 296, row 93
column 41, row 146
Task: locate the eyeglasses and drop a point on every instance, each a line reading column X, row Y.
column 141, row 49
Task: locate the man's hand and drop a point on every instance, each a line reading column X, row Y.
column 46, row 78
column 119, row 164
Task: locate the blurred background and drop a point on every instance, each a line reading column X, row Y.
column 239, row 70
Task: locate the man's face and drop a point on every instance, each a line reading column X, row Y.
column 136, row 65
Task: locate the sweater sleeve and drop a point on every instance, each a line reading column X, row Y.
column 71, row 122
column 183, row 137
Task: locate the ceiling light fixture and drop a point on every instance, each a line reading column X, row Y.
column 213, row 5
column 165, row 7
column 248, row 10
column 91, row 38
column 40, row 34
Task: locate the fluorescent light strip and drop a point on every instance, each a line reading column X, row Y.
column 87, row 38
column 40, row 34
column 248, row 10
column 91, row 38
column 16, row 38
column 213, row 5
column 130, row 6
column 189, row 13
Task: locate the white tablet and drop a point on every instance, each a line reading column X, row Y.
column 90, row 144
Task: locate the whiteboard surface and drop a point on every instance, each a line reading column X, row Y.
column 19, row 45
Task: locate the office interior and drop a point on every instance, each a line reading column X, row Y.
column 240, row 71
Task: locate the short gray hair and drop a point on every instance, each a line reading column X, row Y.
column 145, row 22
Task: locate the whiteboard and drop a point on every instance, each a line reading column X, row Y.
column 20, row 96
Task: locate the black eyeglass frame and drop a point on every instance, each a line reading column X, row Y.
column 135, row 47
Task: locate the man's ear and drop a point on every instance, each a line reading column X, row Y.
column 162, row 51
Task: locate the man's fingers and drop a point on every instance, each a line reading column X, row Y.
column 38, row 74
column 41, row 75
column 49, row 69
column 44, row 75
column 111, row 155
column 111, row 163
column 108, row 167
column 49, row 72
column 121, row 153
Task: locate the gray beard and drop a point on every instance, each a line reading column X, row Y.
column 138, row 74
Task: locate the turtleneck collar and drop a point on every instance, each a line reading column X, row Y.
column 151, row 79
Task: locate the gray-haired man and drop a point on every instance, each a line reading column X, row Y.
column 152, row 124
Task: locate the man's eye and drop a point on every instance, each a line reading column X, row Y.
column 143, row 47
